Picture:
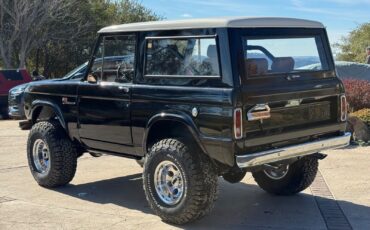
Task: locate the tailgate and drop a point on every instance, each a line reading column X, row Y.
column 295, row 105
column 288, row 83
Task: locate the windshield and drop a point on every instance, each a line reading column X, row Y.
column 268, row 56
column 75, row 71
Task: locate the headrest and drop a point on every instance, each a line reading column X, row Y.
column 212, row 51
column 283, row 64
column 256, row 66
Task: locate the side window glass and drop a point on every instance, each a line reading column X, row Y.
column 118, row 58
column 115, row 59
column 181, row 57
column 95, row 70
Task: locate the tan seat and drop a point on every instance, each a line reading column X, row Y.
column 256, row 66
column 282, row 65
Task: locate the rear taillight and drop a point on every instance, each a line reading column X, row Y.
column 343, row 108
column 238, row 123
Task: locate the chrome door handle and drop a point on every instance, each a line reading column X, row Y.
column 66, row 102
column 124, row 89
column 259, row 112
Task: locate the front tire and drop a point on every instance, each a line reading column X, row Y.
column 51, row 155
column 180, row 184
column 290, row 180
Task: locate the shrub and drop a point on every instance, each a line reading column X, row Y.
column 363, row 114
column 358, row 93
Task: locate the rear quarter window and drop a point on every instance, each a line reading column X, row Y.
column 181, row 57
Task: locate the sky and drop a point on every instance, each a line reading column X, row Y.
column 339, row 16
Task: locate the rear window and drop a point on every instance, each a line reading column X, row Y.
column 181, row 57
column 12, row 75
column 268, row 56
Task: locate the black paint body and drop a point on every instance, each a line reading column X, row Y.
column 122, row 118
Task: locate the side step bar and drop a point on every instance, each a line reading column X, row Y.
column 279, row 154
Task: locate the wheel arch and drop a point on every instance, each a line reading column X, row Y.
column 170, row 124
column 45, row 110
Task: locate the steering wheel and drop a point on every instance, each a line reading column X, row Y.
column 122, row 72
column 190, row 69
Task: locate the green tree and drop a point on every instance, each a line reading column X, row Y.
column 25, row 24
column 59, row 57
column 129, row 11
column 61, row 43
column 352, row 47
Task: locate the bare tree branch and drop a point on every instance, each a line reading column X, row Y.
column 27, row 24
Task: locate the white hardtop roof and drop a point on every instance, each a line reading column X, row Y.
column 239, row 22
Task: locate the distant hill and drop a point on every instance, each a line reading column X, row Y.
column 348, row 70
column 299, row 61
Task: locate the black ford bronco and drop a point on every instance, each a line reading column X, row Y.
column 194, row 100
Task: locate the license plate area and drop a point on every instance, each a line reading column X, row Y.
column 319, row 112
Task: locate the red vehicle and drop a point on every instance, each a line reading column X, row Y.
column 9, row 79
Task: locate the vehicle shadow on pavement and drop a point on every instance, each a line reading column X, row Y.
column 126, row 191
column 239, row 205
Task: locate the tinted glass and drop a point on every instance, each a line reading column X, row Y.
column 114, row 59
column 77, row 70
column 284, row 55
column 118, row 58
column 182, row 57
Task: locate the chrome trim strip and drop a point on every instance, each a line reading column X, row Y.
column 180, row 37
column 274, row 155
column 182, row 88
column 105, row 98
column 53, row 94
column 82, row 96
column 182, row 76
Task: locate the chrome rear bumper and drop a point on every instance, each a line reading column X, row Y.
column 274, row 155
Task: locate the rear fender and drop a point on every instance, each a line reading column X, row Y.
column 180, row 117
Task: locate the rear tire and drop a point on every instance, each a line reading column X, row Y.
column 299, row 176
column 194, row 196
column 52, row 157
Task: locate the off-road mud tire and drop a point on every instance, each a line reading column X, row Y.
column 299, row 177
column 200, row 178
column 63, row 156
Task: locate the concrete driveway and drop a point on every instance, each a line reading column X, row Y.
column 107, row 193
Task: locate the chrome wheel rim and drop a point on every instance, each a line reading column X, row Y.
column 169, row 183
column 276, row 171
column 41, row 156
